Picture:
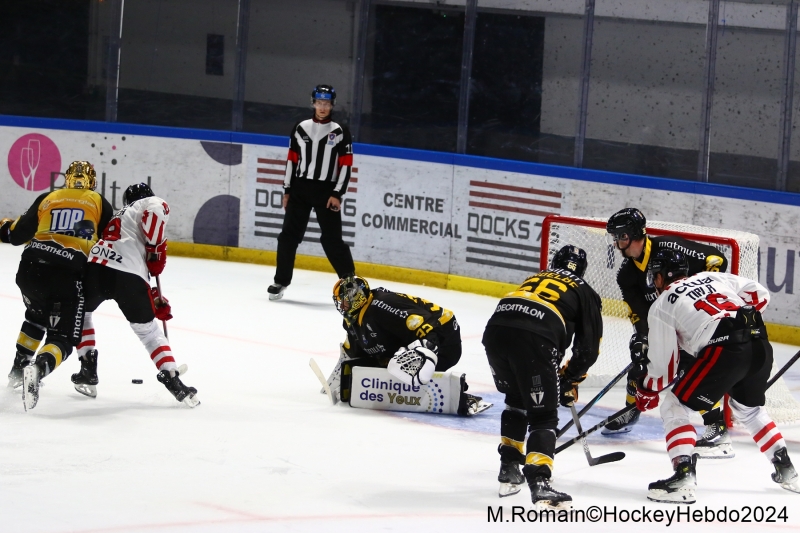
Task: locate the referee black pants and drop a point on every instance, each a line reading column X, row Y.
column 307, row 195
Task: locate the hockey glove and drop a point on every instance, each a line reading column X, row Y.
column 5, row 230
column 156, row 258
column 638, row 347
column 645, row 398
column 568, row 386
column 161, row 306
column 415, row 364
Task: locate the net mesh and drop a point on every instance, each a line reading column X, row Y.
column 738, row 247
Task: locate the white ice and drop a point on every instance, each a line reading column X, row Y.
column 266, row 452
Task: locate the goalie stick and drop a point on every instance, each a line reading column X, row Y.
column 608, row 458
column 595, row 399
column 324, row 382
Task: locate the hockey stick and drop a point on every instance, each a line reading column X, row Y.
column 318, row 372
column 595, row 399
column 783, row 370
column 625, row 410
column 163, row 322
column 608, row 458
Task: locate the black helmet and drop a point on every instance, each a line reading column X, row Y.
column 136, row 192
column 671, row 264
column 323, row 91
column 629, row 221
column 570, row 258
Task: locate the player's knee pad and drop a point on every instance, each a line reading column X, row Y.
column 742, row 413
column 514, row 425
column 673, row 412
column 543, row 420
column 376, row 388
column 147, row 332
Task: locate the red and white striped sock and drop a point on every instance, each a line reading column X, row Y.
column 87, row 336
column 760, row 426
column 156, row 345
column 680, row 433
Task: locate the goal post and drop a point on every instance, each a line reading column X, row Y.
column 603, row 262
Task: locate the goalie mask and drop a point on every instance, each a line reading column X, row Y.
column 570, row 258
column 350, row 294
column 80, row 175
column 671, row 264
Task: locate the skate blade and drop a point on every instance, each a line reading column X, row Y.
column 680, row 496
column 509, row 489
column 547, row 505
column 274, row 297
column 183, row 369
column 86, row 390
column 479, row 408
column 14, row 383
column 620, row 431
column 191, row 400
column 30, row 389
column 716, row 452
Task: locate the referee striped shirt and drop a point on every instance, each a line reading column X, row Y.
column 320, row 151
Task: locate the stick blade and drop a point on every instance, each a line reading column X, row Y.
column 608, row 458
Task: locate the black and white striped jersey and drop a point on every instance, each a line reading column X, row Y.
column 321, row 151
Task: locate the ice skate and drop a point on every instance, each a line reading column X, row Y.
column 510, row 478
column 716, row 443
column 785, row 475
column 475, row 405
column 86, row 380
column 15, row 376
column 175, row 386
column 32, row 375
column 623, row 424
column 680, row 488
column 276, row 291
column 544, row 496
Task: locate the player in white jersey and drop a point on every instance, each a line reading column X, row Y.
column 716, row 317
column 133, row 248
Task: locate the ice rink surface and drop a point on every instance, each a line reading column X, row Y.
column 266, row 452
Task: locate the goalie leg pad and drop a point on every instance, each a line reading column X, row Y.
column 376, row 388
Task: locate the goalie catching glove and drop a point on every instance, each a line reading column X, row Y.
column 161, row 307
column 415, row 364
column 568, row 386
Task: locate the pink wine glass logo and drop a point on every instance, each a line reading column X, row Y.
column 33, row 160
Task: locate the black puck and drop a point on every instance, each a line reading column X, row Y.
column 137, row 381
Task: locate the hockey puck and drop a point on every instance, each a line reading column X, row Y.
column 137, row 381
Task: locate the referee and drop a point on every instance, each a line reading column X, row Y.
column 317, row 173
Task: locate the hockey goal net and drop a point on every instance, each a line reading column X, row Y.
column 738, row 247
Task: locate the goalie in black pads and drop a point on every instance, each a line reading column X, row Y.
column 717, row 318
column 525, row 342
column 410, row 337
column 627, row 230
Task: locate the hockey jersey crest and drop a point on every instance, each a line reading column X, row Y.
column 142, row 223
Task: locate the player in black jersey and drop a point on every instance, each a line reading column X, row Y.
column 627, row 229
column 409, row 336
column 525, row 341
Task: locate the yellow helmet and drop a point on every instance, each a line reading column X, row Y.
column 350, row 294
column 81, row 175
